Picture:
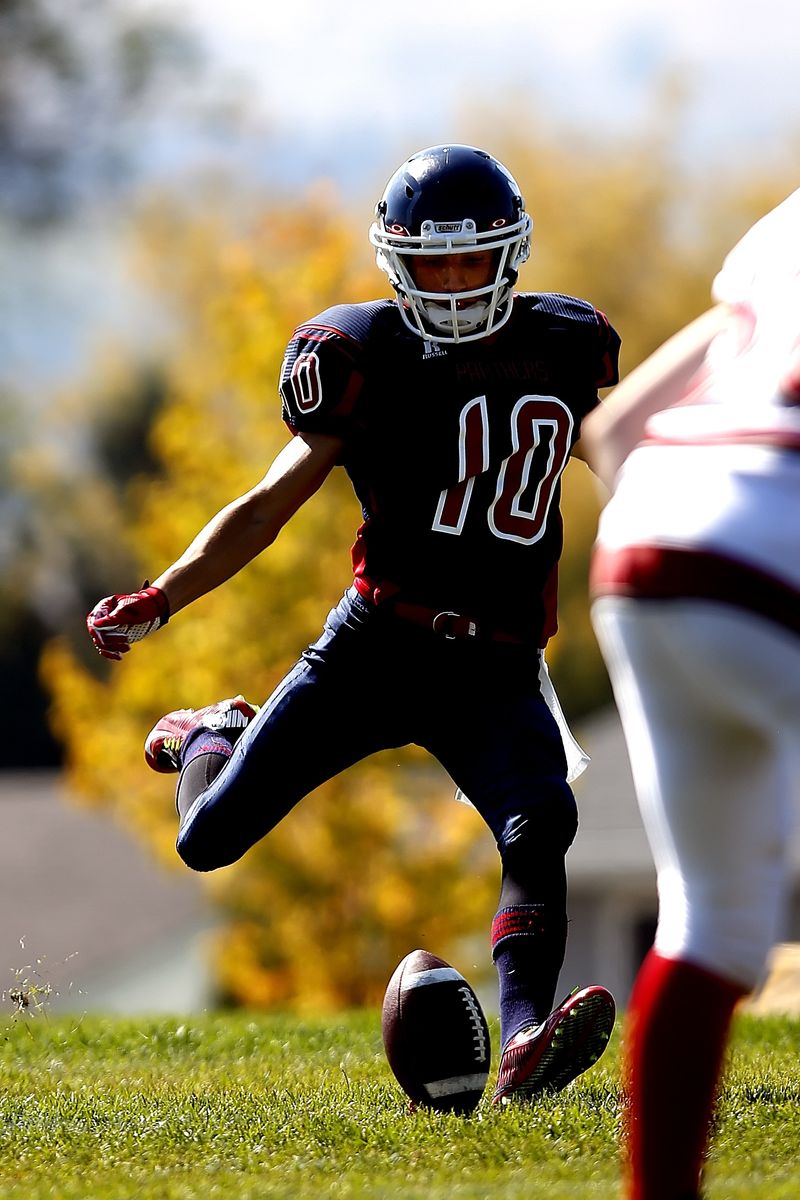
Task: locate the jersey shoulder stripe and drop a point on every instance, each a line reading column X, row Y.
column 324, row 365
column 558, row 304
column 354, row 322
column 586, row 322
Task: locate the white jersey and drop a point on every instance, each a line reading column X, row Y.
column 709, row 503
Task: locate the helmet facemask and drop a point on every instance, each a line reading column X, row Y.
column 449, row 317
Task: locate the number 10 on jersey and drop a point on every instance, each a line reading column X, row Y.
column 523, row 495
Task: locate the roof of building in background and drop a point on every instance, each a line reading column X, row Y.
column 79, row 898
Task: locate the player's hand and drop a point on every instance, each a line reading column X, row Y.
column 116, row 622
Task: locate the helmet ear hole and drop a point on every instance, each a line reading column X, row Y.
column 452, row 200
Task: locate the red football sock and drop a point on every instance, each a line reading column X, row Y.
column 677, row 1029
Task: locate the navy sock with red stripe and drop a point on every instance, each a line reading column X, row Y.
column 205, row 741
column 678, row 1021
column 528, row 950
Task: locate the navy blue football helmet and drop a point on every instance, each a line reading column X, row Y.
column 451, row 200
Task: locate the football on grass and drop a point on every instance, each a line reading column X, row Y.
column 435, row 1034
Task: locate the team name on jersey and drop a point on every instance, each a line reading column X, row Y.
column 522, row 371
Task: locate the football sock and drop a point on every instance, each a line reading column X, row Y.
column 203, row 757
column 678, row 1021
column 528, row 946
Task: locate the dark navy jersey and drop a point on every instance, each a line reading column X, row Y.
column 455, row 451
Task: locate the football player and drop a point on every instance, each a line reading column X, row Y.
column 696, row 578
column 454, row 409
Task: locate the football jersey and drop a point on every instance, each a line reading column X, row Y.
column 455, row 452
column 745, row 392
column 708, row 504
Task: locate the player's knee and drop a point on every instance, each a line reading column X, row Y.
column 549, row 822
column 197, row 852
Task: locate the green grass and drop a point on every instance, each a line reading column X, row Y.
column 245, row 1107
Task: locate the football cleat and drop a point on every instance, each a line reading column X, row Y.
column 162, row 747
column 545, row 1058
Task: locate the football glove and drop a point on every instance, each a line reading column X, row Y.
column 116, row 622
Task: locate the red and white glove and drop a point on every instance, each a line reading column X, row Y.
column 116, row 622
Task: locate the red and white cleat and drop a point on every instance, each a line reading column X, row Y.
column 546, row 1057
column 162, row 747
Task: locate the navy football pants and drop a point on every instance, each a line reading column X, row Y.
column 372, row 682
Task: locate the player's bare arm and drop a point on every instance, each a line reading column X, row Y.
column 610, row 431
column 251, row 523
column 232, row 538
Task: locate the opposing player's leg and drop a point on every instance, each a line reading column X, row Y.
column 710, row 700
column 677, row 1026
column 503, row 748
column 706, row 696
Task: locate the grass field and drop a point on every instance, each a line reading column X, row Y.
column 245, row 1107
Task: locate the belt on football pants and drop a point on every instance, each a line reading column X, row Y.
column 451, row 625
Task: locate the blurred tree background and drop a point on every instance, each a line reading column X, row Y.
column 80, row 81
column 82, row 87
column 132, row 460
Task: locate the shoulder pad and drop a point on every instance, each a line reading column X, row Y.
column 354, row 322
column 585, row 321
column 323, row 367
column 558, row 304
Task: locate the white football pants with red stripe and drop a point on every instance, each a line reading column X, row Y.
column 709, row 697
